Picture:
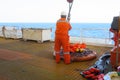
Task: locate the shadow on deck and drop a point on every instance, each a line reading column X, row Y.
column 29, row 60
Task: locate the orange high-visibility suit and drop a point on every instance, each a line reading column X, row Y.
column 62, row 39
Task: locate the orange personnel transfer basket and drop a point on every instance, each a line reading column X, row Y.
column 79, row 52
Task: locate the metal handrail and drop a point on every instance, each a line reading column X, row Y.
column 83, row 38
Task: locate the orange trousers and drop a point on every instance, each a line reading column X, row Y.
column 62, row 41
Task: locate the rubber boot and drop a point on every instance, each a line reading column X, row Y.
column 57, row 57
column 67, row 59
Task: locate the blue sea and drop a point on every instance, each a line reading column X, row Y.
column 96, row 30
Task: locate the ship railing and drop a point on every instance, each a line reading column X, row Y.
column 93, row 36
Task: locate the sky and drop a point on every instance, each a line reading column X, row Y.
column 90, row 11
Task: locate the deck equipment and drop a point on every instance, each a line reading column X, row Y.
column 79, row 52
column 70, row 7
column 115, row 52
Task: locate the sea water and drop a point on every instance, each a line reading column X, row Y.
column 94, row 30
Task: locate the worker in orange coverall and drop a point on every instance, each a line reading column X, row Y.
column 62, row 39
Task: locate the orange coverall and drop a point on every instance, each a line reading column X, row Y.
column 62, row 36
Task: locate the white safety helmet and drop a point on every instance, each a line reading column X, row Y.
column 63, row 13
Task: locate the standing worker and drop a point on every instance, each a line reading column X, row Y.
column 62, row 38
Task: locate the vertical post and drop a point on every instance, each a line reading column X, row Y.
column 3, row 31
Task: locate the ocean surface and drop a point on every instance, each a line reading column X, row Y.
column 94, row 30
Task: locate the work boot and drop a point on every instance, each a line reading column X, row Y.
column 57, row 57
column 67, row 59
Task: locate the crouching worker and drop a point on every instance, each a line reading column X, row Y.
column 62, row 38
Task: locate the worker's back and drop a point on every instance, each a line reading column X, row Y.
column 62, row 27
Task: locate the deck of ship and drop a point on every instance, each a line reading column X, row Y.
column 20, row 60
